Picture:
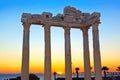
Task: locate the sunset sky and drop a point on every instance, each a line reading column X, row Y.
column 11, row 34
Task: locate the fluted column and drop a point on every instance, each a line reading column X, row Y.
column 87, row 73
column 25, row 53
column 68, row 67
column 47, row 64
column 96, row 51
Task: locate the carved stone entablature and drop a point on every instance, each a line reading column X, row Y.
column 32, row 19
column 93, row 18
column 58, row 18
column 71, row 16
column 46, row 16
column 25, row 17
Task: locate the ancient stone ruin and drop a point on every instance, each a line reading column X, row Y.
column 71, row 18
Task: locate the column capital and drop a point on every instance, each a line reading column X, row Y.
column 85, row 28
column 67, row 30
column 46, row 26
column 85, row 32
column 26, row 26
column 95, row 25
column 45, row 23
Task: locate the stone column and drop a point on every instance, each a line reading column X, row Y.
column 68, row 67
column 47, row 64
column 25, row 53
column 87, row 73
column 96, row 51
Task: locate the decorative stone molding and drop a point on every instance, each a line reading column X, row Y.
column 75, row 18
column 95, row 26
column 26, row 26
column 67, row 30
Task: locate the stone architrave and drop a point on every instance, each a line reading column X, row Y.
column 25, row 52
column 47, row 64
column 96, row 52
column 68, row 67
column 87, row 73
